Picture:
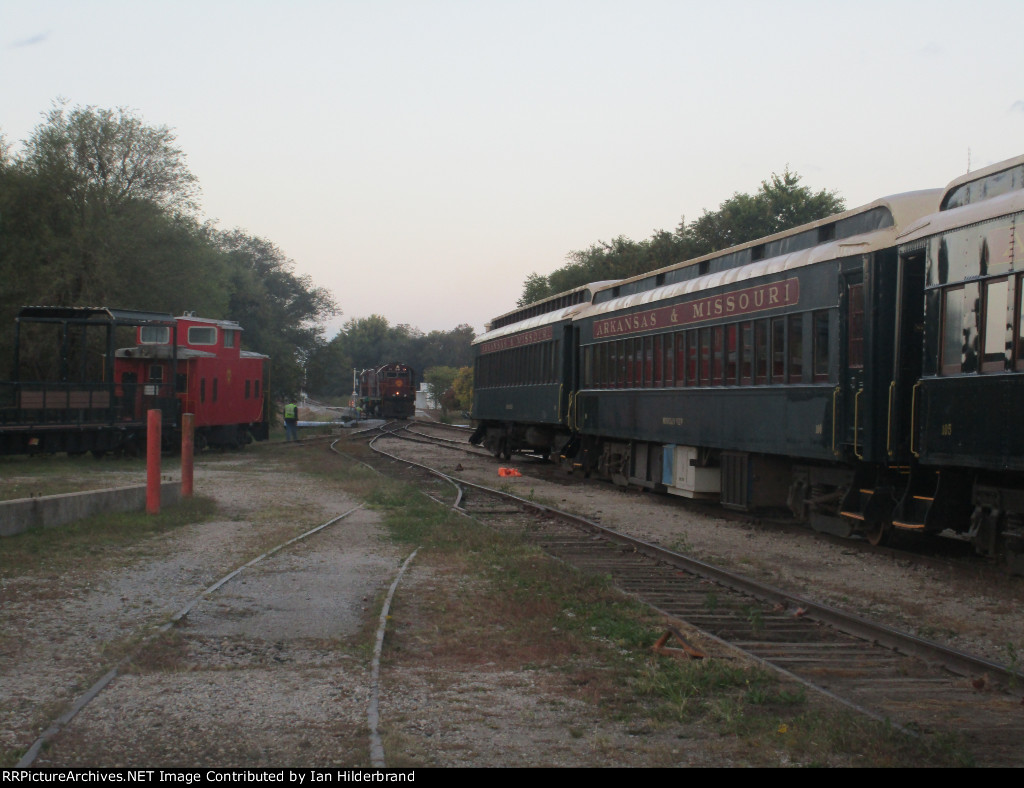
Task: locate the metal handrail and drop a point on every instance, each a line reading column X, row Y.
column 888, row 426
column 835, row 396
column 856, row 423
column 913, row 417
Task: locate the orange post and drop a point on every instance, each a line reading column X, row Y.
column 153, row 462
column 187, row 447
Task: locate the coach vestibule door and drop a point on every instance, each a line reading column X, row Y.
column 851, row 397
column 907, row 356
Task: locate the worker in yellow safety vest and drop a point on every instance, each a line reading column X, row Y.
column 291, row 422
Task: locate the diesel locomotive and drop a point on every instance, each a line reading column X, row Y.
column 860, row 371
column 388, row 392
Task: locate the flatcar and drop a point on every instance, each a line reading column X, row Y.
column 388, row 392
column 860, row 371
column 91, row 395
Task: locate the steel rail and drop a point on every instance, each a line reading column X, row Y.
column 953, row 660
column 97, row 687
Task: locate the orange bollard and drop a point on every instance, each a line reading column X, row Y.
column 187, row 448
column 153, row 462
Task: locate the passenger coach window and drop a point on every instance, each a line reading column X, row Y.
column 747, row 353
column 670, row 377
column 952, row 330
column 855, row 321
column 659, row 355
column 761, row 352
column 705, row 357
column 731, row 350
column 795, row 373
column 960, row 330
column 820, row 347
column 778, row 350
column 998, row 327
column 716, row 354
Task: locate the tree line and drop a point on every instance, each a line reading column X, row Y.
column 97, row 208
column 779, row 204
column 368, row 342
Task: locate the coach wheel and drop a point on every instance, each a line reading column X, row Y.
column 879, row 533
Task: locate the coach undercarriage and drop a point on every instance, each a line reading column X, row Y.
column 878, row 503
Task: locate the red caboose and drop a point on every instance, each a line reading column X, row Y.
column 198, row 367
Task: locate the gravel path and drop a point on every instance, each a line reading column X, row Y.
column 265, row 672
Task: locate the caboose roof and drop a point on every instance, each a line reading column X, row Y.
column 211, row 321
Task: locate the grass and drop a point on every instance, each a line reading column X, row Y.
column 31, row 477
column 507, row 604
column 99, row 540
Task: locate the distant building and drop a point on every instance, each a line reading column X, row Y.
column 423, row 399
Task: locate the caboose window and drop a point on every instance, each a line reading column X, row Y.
column 229, row 338
column 154, row 335
column 156, row 373
column 202, row 335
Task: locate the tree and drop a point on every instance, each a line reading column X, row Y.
column 780, row 204
column 90, row 188
column 100, row 210
column 282, row 313
column 462, row 387
column 439, row 382
column 105, row 158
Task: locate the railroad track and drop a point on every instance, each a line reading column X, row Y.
column 918, row 686
column 147, row 635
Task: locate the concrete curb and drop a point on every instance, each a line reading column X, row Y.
column 50, row 511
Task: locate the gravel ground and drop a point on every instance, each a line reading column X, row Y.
column 274, row 669
column 262, row 673
column 971, row 610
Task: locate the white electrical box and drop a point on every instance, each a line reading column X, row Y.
column 691, row 481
